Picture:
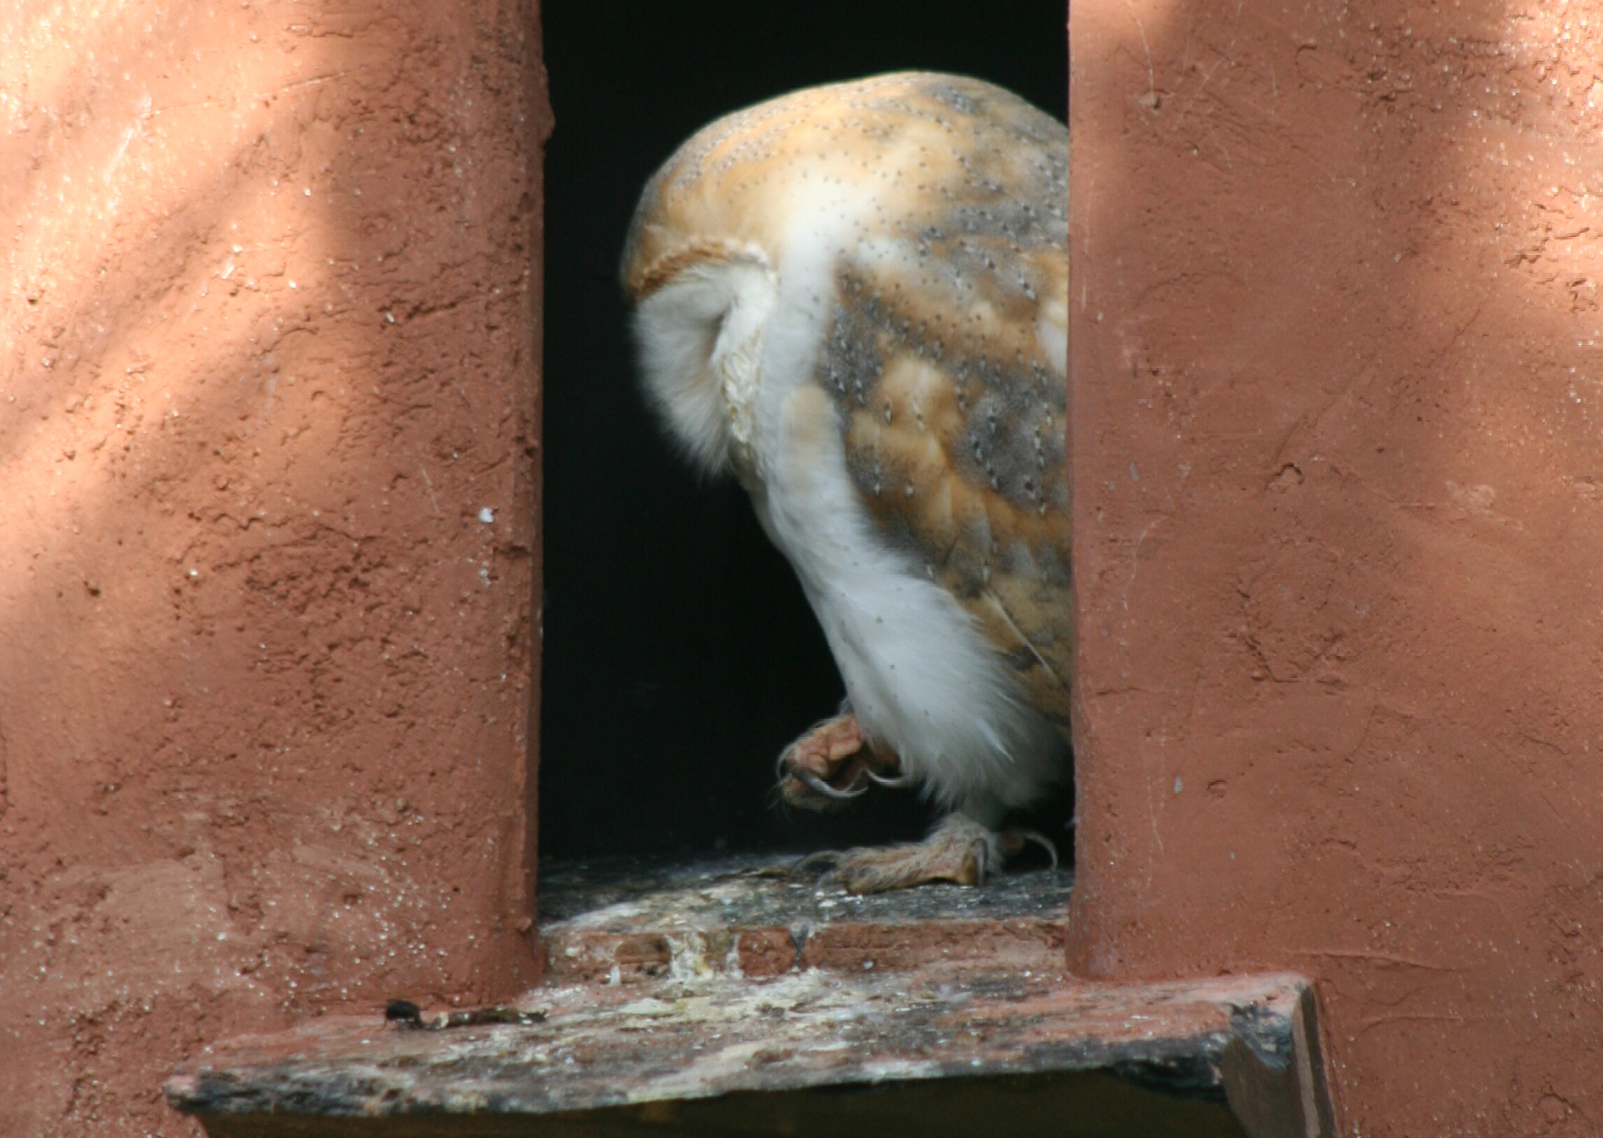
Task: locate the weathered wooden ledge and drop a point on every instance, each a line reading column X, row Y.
column 627, row 921
column 716, row 1000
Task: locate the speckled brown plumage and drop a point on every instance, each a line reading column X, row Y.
column 956, row 443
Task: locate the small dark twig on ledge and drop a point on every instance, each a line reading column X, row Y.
column 407, row 1014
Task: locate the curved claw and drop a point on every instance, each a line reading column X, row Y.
column 781, row 764
column 814, row 783
column 898, row 781
column 1022, row 836
column 814, row 860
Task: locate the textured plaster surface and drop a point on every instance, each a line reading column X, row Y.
column 1339, row 522
column 268, row 439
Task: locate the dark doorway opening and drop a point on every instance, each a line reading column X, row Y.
column 679, row 653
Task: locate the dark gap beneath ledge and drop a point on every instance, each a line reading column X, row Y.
column 1090, row 1105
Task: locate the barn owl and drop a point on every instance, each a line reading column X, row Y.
column 854, row 298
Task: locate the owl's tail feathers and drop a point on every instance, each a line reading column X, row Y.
column 958, row 850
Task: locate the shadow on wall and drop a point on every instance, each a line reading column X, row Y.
column 1337, row 324
column 680, row 655
column 266, row 354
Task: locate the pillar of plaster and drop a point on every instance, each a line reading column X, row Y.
column 268, row 482
column 1337, row 433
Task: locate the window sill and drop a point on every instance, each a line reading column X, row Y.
column 717, row 999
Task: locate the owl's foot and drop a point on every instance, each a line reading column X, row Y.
column 831, row 764
column 958, row 849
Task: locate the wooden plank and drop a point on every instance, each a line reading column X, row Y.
column 695, row 1038
column 893, row 993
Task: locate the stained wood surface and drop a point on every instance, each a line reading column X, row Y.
column 685, row 1039
column 877, row 992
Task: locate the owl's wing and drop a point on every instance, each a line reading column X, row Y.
column 946, row 362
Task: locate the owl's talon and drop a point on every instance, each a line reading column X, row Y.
column 897, row 781
column 1014, row 841
column 819, row 786
column 814, row 860
column 957, row 850
column 827, row 765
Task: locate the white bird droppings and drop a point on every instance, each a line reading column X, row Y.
column 487, row 515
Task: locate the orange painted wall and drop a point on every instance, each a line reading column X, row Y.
column 1337, row 413
column 269, row 455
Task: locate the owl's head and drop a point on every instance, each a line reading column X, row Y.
column 734, row 254
column 698, row 321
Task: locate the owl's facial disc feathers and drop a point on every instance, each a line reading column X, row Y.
column 700, row 335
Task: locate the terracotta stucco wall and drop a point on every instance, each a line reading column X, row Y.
column 268, row 455
column 1338, row 450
